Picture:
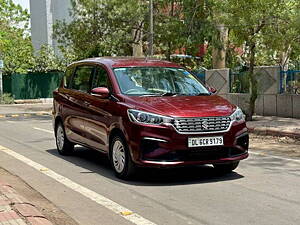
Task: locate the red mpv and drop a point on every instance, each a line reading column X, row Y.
column 146, row 113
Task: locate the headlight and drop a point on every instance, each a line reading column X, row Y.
column 147, row 118
column 238, row 115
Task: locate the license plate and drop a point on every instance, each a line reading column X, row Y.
column 205, row 141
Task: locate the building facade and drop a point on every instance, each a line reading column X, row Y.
column 43, row 15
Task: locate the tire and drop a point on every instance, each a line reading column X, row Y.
column 120, row 158
column 63, row 145
column 226, row 168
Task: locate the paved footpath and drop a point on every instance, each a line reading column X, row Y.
column 272, row 125
column 16, row 210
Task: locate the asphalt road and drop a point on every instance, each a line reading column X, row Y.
column 263, row 190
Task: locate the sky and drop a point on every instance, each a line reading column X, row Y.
column 23, row 3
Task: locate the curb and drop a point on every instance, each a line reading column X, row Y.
column 274, row 132
column 15, row 209
column 34, row 101
column 15, row 115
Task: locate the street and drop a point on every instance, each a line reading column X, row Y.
column 263, row 190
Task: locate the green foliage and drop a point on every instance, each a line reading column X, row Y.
column 6, row 99
column 101, row 29
column 183, row 25
column 46, row 60
column 15, row 43
column 110, row 28
column 260, row 27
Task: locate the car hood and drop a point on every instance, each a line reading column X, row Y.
column 183, row 106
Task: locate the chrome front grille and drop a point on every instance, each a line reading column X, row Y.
column 202, row 124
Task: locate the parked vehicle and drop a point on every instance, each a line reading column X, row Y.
column 146, row 113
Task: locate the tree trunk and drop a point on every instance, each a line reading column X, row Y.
column 137, row 50
column 219, row 53
column 284, row 57
column 253, row 82
column 137, row 36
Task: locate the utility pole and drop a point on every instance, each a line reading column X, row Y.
column 151, row 28
column 1, row 83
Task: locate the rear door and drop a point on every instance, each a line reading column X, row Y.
column 76, row 110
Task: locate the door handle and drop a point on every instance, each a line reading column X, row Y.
column 86, row 103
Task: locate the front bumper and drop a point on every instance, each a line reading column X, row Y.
column 163, row 146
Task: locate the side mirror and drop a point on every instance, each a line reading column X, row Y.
column 102, row 92
column 212, row 90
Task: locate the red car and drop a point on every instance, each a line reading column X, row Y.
column 146, row 113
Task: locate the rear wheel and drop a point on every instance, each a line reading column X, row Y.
column 120, row 158
column 64, row 146
column 226, row 168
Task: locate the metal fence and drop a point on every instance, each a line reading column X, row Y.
column 290, row 81
column 32, row 85
column 239, row 80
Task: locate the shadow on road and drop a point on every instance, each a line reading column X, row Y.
column 96, row 162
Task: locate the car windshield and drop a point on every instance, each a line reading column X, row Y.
column 158, row 81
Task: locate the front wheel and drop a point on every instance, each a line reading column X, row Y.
column 120, row 158
column 226, row 168
column 64, row 146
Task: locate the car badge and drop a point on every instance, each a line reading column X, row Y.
column 204, row 125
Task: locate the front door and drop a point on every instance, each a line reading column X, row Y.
column 100, row 117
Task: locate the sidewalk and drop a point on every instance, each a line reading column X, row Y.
column 17, row 110
column 15, row 209
column 278, row 126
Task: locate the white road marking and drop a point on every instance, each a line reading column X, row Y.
column 41, row 129
column 275, row 157
column 101, row 200
column 8, row 121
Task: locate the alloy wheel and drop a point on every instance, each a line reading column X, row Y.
column 118, row 156
column 60, row 137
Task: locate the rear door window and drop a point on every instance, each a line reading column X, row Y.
column 82, row 78
column 68, row 76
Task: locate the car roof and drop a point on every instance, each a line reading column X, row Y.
column 115, row 62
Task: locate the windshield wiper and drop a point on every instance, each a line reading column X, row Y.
column 169, row 94
column 150, row 95
column 163, row 94
column 203, row 94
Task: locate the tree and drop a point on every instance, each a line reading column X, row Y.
column 45, row 60
column 183, row 25
column 112, row 27
column 15, row 43
column 251, row 24
column 287, row 29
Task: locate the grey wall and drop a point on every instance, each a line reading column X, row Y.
column 268, row 79
column 282, row 105
column 218, row 79
column 269, row 101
